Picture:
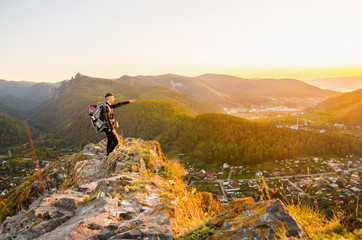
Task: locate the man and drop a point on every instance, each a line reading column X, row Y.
column 108, row 117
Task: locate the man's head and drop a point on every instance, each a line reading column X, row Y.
column 109, row 98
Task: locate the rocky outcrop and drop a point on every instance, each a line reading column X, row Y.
column 261, row 220
column 64, row 86
column 135, row 193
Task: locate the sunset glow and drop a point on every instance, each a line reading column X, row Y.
column 52, row 40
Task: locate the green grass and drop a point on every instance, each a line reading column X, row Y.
column 202, row 232
column 269, row 165
column 208, row 187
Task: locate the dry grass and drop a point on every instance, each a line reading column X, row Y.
column 314, row 223
column 317, row 226
column 191, row 208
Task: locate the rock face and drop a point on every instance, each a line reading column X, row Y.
column 261, row 220
column 64, row 86
column 135, row 193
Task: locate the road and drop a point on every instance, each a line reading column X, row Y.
column 229, row 175
column 296, row 187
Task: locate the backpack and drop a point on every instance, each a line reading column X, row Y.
column 94, row 112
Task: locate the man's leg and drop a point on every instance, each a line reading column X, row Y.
column 114, row 142
column 109, row 140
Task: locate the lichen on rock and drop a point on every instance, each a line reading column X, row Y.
column 261, row 220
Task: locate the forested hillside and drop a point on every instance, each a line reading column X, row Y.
column 19, row 103
column 17, row 100
column 215, row 138
column 32, row 92
column 10, row 110
column 12, row 132
column 220, row 137
column 149, row 119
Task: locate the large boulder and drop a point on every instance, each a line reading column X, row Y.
column 244, row 219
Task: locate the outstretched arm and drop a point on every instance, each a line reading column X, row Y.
column 120, row 104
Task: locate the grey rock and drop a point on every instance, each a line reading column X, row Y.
column 103, row 236
column 132, row 234
column 261, row 220
column 66, row 203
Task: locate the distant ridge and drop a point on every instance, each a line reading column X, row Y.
column 215, row 90
column 268, row 87
column 338, row 83
column 230, row 91
column 134, row 81
column 346, row 108
column 198, row 88
column 26, row 92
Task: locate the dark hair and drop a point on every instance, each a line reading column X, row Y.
column 109, row 94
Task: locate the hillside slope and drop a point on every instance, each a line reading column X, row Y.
column 198, row 88
column 268, row 87
column 21, row 104
column 4, row 108
column 26, row 91
column 346, row 108
column 12, row 132
column 338, row 83
column 148, row 119
column 218, row 138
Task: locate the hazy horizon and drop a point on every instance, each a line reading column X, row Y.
column 335, row 84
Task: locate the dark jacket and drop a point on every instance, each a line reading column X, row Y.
column 107, row 114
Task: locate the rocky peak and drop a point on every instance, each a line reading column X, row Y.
column 65, row 86
column 135, row 193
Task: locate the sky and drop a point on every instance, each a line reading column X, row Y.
column 42, row 40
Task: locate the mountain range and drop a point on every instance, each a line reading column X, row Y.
column 198, row 88
column 24, row 95
column 268, row 87
column 74, row 96
column 229, row 91
column 168, row 110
